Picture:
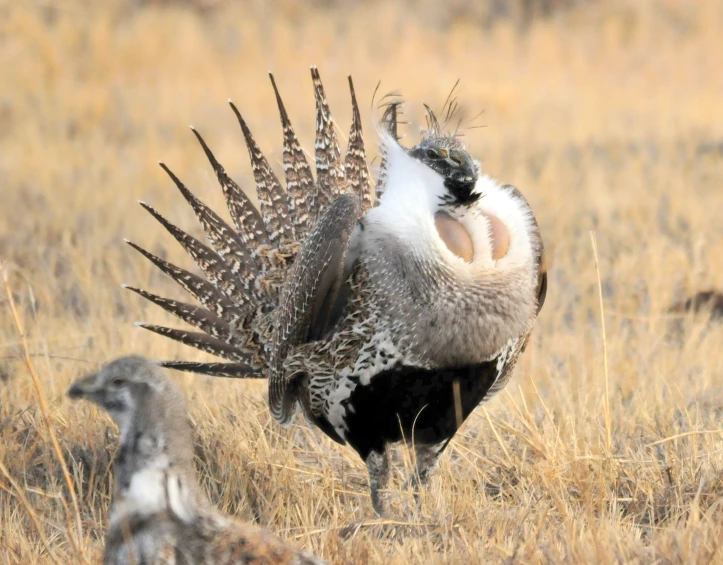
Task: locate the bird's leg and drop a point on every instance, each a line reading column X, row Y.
column 378, row 468
column 427, row 459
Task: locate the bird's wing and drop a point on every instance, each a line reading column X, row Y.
column 541, row 261
column 307, row 302
column 538, row 251
column 541, row 289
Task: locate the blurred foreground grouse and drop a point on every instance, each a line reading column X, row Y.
column 159, row 514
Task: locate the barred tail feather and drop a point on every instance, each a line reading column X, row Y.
column 355, row 162
column 299, row 179
column 243, row 269
column 330, row 176
column 272, row 198
column 200, row 289
column 200, row 341
column 213, row 266
column 244, row 214
column 225, row 240
column 231, row 370
column 199, row 317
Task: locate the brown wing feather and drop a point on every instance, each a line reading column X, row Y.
column 309, row 295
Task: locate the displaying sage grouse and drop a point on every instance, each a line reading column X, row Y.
column 383, row 318
column 159, row 514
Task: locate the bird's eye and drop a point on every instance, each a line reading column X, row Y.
column 431, row 154
column 117, row 382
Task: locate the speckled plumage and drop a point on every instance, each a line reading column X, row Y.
column 299, row 179
column 365, row 318
column 159, row 514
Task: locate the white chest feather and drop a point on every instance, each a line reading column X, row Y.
column 151, row 490
column 145, row 494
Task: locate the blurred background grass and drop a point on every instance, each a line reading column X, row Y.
column 606, row 114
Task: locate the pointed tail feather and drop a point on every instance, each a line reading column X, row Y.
column 355, row 163
column 201, row 290
column 199, row 317
column 299, row 179
column 272, row 198
column 389, row 122
column 224, row 239
column 243, row 268
column 330, row 177
column 244, row 214
column 200, row 341
column 231, row 370
column 213, row 266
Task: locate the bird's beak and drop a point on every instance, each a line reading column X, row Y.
column 86, row 387
column 460, row 165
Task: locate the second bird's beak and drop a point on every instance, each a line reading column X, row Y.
column 86, row 387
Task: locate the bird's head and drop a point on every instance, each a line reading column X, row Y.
column 447, row 156
column 474, row 220
column 123, row 388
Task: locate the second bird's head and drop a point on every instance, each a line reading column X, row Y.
column 123, row 388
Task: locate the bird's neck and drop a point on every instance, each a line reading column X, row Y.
column 155, row 475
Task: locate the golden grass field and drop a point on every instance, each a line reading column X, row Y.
column 608, row 116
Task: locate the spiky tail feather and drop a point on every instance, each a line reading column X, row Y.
column 389, row 124
column 245, row 267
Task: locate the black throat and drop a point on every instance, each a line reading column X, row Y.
column 460, row 191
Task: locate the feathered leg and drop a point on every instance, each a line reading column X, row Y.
column 427, row 460
column 378, row 468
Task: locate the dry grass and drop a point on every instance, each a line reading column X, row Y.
column 608, row 116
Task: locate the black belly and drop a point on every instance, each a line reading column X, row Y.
column 412, row 403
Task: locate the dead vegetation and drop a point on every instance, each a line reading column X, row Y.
column 606, row 114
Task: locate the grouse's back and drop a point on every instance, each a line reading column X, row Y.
column 219, row 541
column 141, row 540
